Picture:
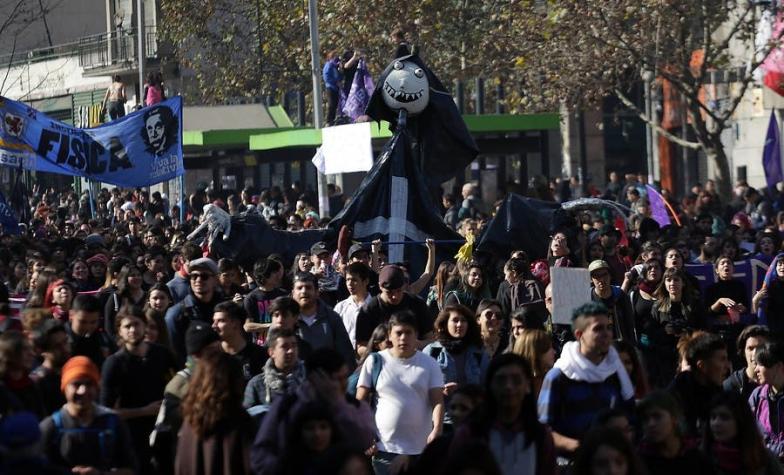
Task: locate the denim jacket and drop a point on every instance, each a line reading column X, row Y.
column 476, row 363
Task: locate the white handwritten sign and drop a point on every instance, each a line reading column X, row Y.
column 571, row 288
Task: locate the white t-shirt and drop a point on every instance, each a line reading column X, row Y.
column 348, row 310
column 404, row 416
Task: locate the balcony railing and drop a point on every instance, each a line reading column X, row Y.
column 116, row 48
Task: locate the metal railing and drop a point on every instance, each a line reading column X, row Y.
column 117, row 47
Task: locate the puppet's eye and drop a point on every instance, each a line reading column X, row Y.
column 418, row 72
column 398, row 65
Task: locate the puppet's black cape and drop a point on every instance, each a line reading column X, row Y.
column 252, row 238
column 446, row 145
column 522, row 223
column 372, row 200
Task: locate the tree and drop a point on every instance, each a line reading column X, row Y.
column 261, row 47
column 581, row 51
column 18, row 16
column 238, row 47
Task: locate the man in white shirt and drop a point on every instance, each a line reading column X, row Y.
column 409, row 387
column 357, row 280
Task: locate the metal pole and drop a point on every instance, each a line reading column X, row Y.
column 648, row 128
column 90, row 197
column 140, row 56
column 480, row 96
column 583, row 153
column 315, row 66
column 182, row 199
column 460, row 96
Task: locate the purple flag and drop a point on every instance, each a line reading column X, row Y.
column 771, row 154
column 359, row 95
column 658, row 208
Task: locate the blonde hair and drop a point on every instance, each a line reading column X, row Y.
column 532, row 345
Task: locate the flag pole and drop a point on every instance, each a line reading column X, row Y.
column 315, row 66
column 182, row 199
column 90, row 197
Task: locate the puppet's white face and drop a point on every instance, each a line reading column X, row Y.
column 406, row 87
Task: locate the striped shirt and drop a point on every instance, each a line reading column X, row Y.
column 570, row 406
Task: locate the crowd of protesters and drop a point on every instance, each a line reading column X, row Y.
column 126, row 348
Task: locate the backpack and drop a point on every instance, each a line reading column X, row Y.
column 109, row 432
column 377, row 363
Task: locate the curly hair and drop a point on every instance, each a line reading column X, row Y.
column 215, row 393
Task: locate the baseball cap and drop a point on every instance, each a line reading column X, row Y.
column 391, row 277
column 198, row 336
column 203, row 263
column 318, row 248
column 358, row 247
column 597, row 265
column 94, row 240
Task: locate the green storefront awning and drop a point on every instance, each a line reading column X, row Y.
column 285, row 135
column 477, row 124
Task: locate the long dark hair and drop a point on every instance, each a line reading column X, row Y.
column 463, row 285
column 443, row 274
column 748, row 438
column 639, row 376
column 123, row 289
column 215, row 394
column 484, row 420
column 472, row 336
column 663, row 301
column 611, row 438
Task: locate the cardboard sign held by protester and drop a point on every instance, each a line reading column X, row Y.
column 571, row 288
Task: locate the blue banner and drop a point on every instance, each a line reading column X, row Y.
column 749, row 271
column 140, row 149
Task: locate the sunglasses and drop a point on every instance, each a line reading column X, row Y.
column 200, row 276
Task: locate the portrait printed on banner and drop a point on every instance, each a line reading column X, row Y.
column 160, row 129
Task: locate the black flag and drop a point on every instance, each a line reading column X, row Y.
column 522, row 224
column 393, row 204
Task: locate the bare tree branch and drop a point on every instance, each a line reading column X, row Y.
column 658, row 128
column 8, row 67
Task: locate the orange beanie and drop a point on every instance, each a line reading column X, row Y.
column 79, row 367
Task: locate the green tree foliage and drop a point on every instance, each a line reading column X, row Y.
column 261, row 47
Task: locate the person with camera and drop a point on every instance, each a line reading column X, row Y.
column 673, row 314
column 641, row 283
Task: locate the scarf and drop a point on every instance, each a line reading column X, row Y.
column 648, row 287
column 276, row 382
column 575, row 366
column 453, row 345
column 728, row 458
